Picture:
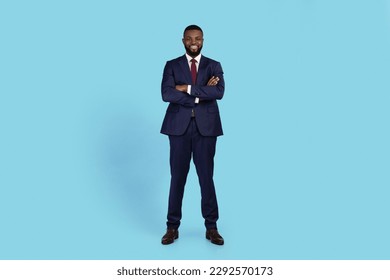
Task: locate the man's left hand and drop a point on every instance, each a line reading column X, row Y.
column 182, row 88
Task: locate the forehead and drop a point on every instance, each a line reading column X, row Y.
column 193, row 33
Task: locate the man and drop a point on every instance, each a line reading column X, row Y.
column 192, row 84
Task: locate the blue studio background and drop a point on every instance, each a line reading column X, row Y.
column 302, row 171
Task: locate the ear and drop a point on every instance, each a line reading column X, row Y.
column 183, row 41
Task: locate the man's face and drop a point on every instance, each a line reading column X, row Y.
column 193, row 42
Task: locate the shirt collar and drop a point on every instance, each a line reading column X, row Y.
column 197, row 58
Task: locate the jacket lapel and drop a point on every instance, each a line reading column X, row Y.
column 202, row 70
column 185, row 69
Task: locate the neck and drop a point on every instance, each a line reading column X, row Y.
column 193, row 55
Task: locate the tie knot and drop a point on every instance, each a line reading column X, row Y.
column 193, row 60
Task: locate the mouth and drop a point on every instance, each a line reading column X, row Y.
column 193, row 48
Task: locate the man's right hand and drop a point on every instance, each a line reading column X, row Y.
column 213, row 81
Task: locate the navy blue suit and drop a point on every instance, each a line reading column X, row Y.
column 192, row 136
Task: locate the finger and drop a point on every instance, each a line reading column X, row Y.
column 211, row 81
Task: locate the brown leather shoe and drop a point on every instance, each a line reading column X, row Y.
column 214, row 237
column 170, row 236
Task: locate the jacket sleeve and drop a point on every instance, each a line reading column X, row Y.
column 169, row 92
column 211, row 92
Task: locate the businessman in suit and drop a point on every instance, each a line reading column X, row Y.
column 192, row 84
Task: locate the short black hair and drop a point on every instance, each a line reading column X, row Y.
column 192, row 27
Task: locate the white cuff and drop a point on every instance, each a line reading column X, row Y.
column 196, row 100
column 189, row 89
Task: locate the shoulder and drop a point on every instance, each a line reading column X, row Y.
column 209, row 60
column 174, row 63
column 177, row 59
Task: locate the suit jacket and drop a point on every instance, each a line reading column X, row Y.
column 178, row 114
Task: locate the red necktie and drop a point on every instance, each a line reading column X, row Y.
column 193, row 71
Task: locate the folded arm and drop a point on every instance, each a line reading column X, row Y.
column 169, row 91
column 214, row 89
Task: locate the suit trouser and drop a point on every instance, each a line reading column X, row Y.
column 202, row 148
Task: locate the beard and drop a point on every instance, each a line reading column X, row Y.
column 193, row 53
